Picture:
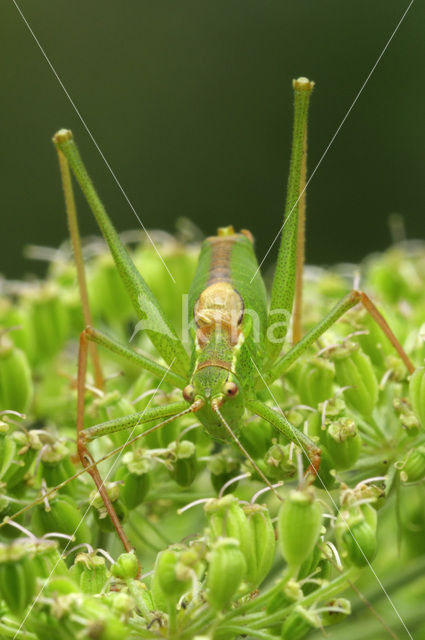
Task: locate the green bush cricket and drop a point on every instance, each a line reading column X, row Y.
column 236, row 339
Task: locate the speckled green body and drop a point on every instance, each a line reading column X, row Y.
column 227, row 263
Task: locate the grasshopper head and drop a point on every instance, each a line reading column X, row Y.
column 219, row 395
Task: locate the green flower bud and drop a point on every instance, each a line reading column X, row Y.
column 171, row 579
column 412, row 468
column 315, row 381
column 16, row 387
column 353, row 368
column 60, row 515
column 134, row 478
column 182, row 456
column 126, row 567
column 343, row 443
column 56, row 466
column 227, row 519
column 299, row 623
column 226, row 570
column 263, row 543
column 223, row 467
column 280, row 462
column 93, row 574
column 299, row 523
column 338, row 610
column 355, row 531
column 417, row 393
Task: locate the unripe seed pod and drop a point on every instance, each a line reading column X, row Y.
column 16, row 386
column 93, row 574
column 280, row 462
column 299, row 623
column 168, row 583
column 263, row 543
column 353, row 368
column 412, row 468
column 17, row 575
column 355, row 532
column 126, row 567
column 417, row 393
column 343, row 443
column 184, row 465
column 61, row 515
column 135, row 478
column 315, row 381
column 56, row 466
column 227, row 519
column 360, row 544
column 299, row 523
column 226, row 570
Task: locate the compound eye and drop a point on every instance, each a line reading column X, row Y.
column 230, row 389
column 189, row 393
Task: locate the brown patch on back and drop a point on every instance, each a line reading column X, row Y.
column 219, row 307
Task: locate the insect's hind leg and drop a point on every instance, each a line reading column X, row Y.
column 348, row 302
column 170, row 411
column 84, row 454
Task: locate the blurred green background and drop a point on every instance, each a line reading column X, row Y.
column 190, row 102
